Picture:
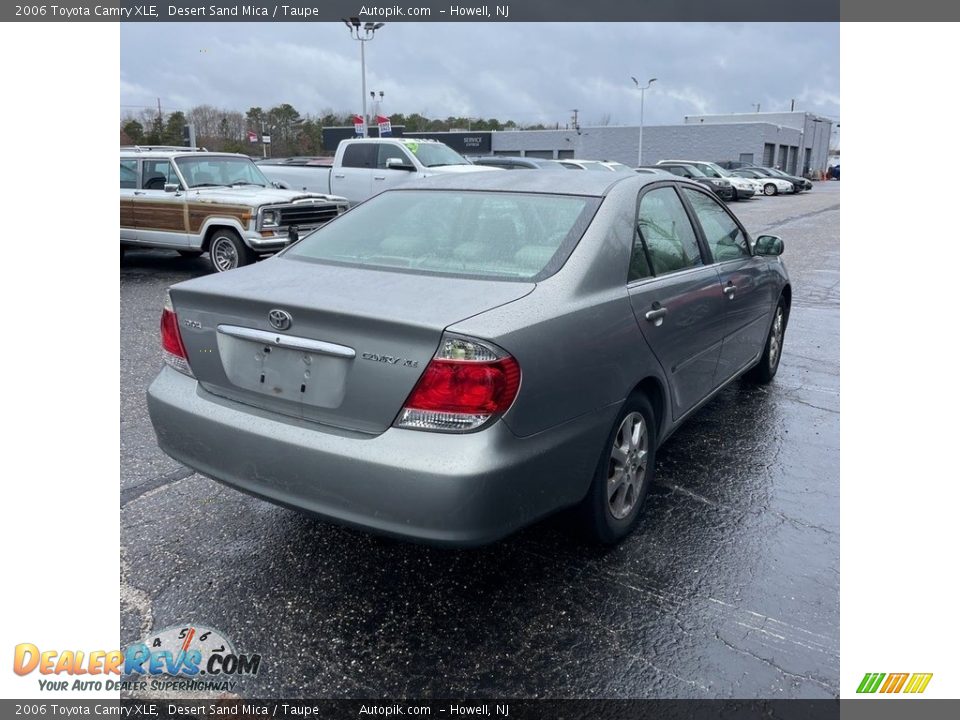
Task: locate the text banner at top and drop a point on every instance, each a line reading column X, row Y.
column 422, row 11
column 502, row 11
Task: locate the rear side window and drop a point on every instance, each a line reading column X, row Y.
column 724, row 237
column 360, row 155
column 664, row 241
column 512, row 236
column 128, row 173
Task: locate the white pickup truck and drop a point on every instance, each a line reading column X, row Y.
column 364, row 167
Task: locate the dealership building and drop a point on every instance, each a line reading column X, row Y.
column 794, row 141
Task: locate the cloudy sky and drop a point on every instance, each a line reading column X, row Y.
column 526, row 72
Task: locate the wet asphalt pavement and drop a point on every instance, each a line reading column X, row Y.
column 729, row 587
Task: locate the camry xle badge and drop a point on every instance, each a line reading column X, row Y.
column 390, row 359
column 280, row 319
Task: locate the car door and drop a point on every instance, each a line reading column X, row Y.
column 159, row 215
column 676, row 296
column 129, row 181
column 383, row 177
column 748, row 286
column 354, row 178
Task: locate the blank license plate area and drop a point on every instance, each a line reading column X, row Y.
column 293, row 375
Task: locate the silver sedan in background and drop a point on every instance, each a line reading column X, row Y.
column 455, row 359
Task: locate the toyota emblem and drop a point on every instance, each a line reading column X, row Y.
column 280, row 319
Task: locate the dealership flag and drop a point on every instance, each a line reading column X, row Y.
column 358, row 125
column 383, row 124
column 251, row 136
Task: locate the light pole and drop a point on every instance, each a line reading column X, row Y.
column 362, row 32
column 643, row 89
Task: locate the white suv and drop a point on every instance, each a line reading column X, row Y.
column 195, row 201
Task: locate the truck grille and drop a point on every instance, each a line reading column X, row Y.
column 306, row 215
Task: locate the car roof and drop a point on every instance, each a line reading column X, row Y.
column 595, row 184
column 133, row 153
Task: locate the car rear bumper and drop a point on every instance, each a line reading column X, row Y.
column 448, row 489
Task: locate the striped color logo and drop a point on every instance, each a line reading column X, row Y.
column 913, row 683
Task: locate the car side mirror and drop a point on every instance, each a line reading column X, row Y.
column 171, row 187
column 399, row 164
column 280, row 185
column 768, row 245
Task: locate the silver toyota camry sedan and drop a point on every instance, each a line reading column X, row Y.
column 453, row 360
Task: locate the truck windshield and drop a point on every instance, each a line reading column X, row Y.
column 512, row 236
column 435, row 154
column 220, row 171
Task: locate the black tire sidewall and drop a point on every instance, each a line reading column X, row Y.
column 762, row 372
column 244, row 256
column 601, row 525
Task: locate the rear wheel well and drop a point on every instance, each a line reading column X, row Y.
column 653, row 390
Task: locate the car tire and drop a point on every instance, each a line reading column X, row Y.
column 610, row 511
column 228, row 251
column 769, row 189
column 190, row 253
column 766, row 369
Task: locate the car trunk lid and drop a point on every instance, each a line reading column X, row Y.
column 357, row 340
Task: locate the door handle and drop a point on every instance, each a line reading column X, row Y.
column 379, row 177
column 339, row 177
column 139, row 192
column 729, row 290
column 656, row 316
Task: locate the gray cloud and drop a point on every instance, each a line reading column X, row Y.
column 527, row 72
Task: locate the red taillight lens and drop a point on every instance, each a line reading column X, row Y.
column 170, row 334
column 465, row 385
column 174, row 354
column 457, row 386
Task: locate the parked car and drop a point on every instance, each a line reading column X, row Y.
column 505, row 162
column 799, row 184
column 771, row 185
column 365, row 166
column 595, row 165
column 618, row 167
column 743, row 188
column 196, row 202
column 720, row 186
column 452, row 360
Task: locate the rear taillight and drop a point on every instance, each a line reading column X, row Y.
column 174, row 354
column 467, row 384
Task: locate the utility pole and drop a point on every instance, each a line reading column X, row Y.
column 363, row 33
column 576, row 124
column 792, row 101
column 643, row 89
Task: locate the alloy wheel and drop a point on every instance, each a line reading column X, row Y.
column 223, row 254
column 627, row 467
column 776, row 338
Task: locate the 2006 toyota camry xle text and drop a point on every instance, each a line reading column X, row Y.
column 452, row 360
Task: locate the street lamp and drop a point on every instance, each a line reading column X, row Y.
column 362, row 32
column 643, row 89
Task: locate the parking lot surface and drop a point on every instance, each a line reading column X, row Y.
column 728, row 588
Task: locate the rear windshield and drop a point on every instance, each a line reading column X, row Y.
column 513, row 236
